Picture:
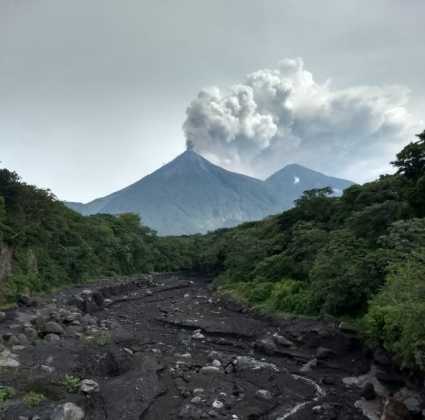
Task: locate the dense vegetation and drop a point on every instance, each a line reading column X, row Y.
column 361, row 255
column 48, row 245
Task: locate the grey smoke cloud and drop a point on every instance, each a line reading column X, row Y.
column 280, row 116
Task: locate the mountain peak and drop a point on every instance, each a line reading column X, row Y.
column 190, row 194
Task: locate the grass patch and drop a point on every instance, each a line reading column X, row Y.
column 6, row 393
column 100, row 338
column 71, row 383
column 284, row 296
column 33, row 399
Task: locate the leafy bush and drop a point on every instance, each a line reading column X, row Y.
column 290, row 296
column 340, row 280
column 33, row 399
column 396, row 315
column 282, row 296
column 71, row 383
column 6, row 393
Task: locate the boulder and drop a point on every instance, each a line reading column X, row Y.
column 52, row 337
column 264, row 394
column 324, row 353
column 395, row 410
column 266, row 345
column 68, row 411
column 88, row 386
column 307, row 367
column 210, row 370
column 8, row 359
column 52, row 327
column 282, row 341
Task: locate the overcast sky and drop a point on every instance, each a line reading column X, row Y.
column 93, row 93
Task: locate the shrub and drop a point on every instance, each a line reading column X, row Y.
column 71, row 383
column 6, row 393
column 290, row 296
column 396, row 315
column 33, row 399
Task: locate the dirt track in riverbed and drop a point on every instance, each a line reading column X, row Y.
column 170, row 349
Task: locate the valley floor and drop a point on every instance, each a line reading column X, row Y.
column 165, row 347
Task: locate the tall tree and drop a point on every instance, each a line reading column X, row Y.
column 411, row 160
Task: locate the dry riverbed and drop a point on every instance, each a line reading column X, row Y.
column 165, row 347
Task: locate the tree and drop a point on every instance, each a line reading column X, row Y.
column 340, row 278
column 411, row 160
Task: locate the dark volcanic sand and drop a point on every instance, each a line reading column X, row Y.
column 155, row 364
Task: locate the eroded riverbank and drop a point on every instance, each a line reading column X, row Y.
column 165, row 347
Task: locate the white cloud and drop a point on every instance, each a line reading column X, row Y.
column 280, row 116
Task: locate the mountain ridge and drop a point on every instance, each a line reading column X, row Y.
column 192, row 195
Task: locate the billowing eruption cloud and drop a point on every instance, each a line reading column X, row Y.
column 280, row 116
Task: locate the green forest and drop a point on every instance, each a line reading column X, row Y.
column 360, row 256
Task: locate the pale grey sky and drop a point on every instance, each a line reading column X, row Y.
column 93, row 93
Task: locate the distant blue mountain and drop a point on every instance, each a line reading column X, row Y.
column 289, row 183
column 192, row 195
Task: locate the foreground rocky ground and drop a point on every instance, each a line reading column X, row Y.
column 165, row 347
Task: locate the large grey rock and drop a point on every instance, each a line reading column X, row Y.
column 88, row 386
column 282, row 341
column 68, row 411
column 53, row 327
column 266, row 345
column 8, row 359
column 395, row 410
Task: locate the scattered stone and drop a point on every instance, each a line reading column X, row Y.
column 8, row 359
column 212, row 355
column 324, row 353
column 31, row 333
column 266, row 345
column 188, row 411
column 48, row 369
column 264, row 394
column 210, row 370
column 347, row 328
column 53, row 328
column 184, row 355
column 217, row 404
column 11, row 339
column 18, row 347
column 309, row 366
column 247, row 362
column 216, row 363
column 68, row 411
column 411, row 399
column 196, row 400
column 197, row 335
column 88, row 386
column 282, row 341
column 2, row 316
column 23, row 339
column 395, row 410
column 52, row 338
column 198, row 391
